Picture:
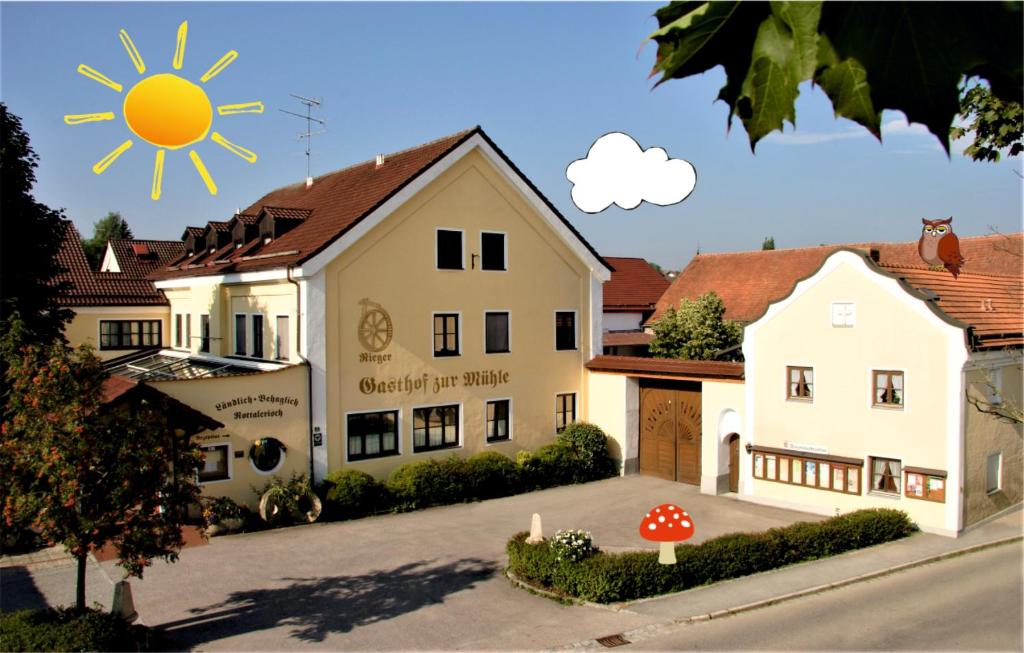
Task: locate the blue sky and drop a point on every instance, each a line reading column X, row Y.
column 544, row 80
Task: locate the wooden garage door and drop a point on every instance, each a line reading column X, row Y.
column 670, row 434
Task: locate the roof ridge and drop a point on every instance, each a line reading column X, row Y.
column 351, row 166
column 924, row 268
column 784, row 249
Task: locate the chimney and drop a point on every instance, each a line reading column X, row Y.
column 876, row 254
column 380, row 160
column 309, row 182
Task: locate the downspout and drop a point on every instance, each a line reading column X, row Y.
column 309, row 367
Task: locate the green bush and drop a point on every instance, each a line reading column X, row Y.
column 351, row 493
column 588, row 446
column 490, row 475
column 608, row 578
column 69, row 630
column 426, row 483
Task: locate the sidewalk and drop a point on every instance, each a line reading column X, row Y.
column 760, row 590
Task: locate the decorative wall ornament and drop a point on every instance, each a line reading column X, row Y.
column 375, row 328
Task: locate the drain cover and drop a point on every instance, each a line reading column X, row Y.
column 612, row 641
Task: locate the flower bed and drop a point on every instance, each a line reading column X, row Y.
column 613, row 577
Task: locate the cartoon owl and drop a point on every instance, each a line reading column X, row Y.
column 939, row 246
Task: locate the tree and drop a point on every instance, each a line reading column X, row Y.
column 768, row 243
column 696, row 331
column 111, row 226
column 866, row 56
column 84, row 474
column 995, row 124
column 30, row 238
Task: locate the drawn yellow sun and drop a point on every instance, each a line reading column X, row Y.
column 167, row 111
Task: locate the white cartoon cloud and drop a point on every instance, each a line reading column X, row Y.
column 617, row 171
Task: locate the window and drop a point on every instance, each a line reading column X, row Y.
column 565, row 411
column 496, row 333
column 885, row 475
column 498, row 420
column 800, row 383
column 835, row 474
column 843, row 314
column 565, row 330
column 372, row 435
column 188, row 331
column 888, row 389
column 240, row 349
column 492, row 251
column 435, row 427
column 282, row 339
column 177, row 329
column 204, row 333
column 446, row 334
column 994, row 473
column 926, row 484
column 215, row 463
column 129, row 334
column 449, row 250
column 257, row 336
column 266, row 455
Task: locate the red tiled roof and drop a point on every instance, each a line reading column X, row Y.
column 626, row 338
column 748, row 282
column 195, row 232
column 334, row 203
column 128, row 255
column 993, row 305
column 634, row 285
column 88, row 288
column 216, row 225
column 670, row 367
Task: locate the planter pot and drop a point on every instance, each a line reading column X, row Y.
column 224, row 526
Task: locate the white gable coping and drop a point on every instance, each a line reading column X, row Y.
column 110, row 263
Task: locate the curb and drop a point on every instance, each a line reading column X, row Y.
column 656, row 629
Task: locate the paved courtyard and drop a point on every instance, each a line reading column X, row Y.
column 425, row 580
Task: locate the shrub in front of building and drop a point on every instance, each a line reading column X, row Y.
column 588, row 449
column 490, row 475
column 71, row 630
column 351, row 493
column 612, row 577
column 426, row 483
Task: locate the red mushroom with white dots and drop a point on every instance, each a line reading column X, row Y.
column 667, row 524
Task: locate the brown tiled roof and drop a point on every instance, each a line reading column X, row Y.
column 130, row 263
column 634, row 286
column 623, row 338
column 334, row 203
column 245, row 218
column 88, row 288
column 993, row 305
column 748, row 281
column 666, row 367
column 196, row 232
column 289, row 213
column 216, row 225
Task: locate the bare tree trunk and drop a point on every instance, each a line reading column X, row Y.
column 80, row 587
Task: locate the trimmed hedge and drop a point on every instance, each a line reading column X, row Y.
column 608, row 578
column 578, row 455
column 68, row 630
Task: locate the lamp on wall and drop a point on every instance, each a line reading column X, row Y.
column 748, row 447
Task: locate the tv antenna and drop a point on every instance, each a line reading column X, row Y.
column 310, row 103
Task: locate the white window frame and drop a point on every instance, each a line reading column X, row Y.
column 852, row 317
column 462, row 233
column 511, row 433
column 178, row 321
column 231, row 456
column 277, row 353
column 575, row 328
column 280, row 463
column 999, row 473
column 458, row 325
column 507, row 312
column 504, row 253
column 442, row 450
column 398, row 434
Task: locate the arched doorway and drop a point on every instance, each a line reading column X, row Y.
column 734, row 462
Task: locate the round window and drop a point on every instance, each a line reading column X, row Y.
column 266, row 454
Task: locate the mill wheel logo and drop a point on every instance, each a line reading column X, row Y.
column 375, row 330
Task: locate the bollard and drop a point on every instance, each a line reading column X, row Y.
column 536, row 532
column 123, row 604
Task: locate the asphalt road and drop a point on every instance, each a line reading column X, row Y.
column 972, row 602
